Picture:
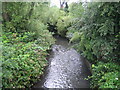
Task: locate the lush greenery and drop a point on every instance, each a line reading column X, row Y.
column 96, row 35
column 25, row 43
column 105, row 75
column 92, row 27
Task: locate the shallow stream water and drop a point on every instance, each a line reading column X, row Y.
column 66, row 69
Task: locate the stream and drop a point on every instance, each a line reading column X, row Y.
column 66, row 69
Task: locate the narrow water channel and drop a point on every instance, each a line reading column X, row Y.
column 66, row 69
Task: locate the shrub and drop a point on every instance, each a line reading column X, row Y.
column 99, row 30
column 25, row 43
column 76, row 10
column 23, row 59
column 62, row 25
column 105, row 75
column 98, row 41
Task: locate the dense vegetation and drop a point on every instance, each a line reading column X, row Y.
column 94, row 30
column 97, row 36
column 26, row 40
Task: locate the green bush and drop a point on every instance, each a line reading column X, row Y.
column 105, row 75
column 96, row 35
column 63, row 23
column 75, row 37
column 23, row 60
column 99, row 30
column 39, row 11
column 16, row 16
column 25, row 43
column 53, row 15
column 76, row 10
